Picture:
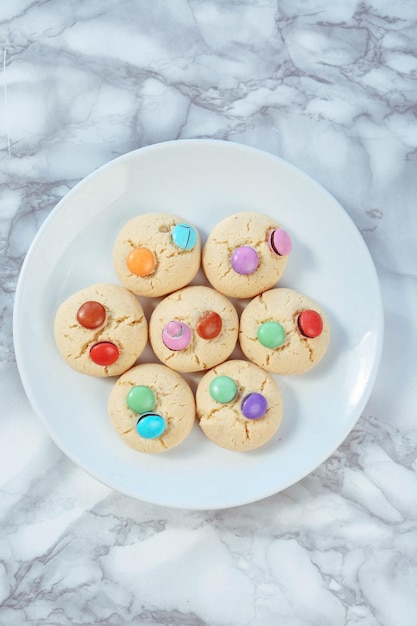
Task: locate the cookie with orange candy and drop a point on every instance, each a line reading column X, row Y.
column 156, row 253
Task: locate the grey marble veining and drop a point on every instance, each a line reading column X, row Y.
column 329, row 86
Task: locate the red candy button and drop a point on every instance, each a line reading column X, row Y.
column 209, row 325
column 91, row 314
column 310, row 323
column 104, row 353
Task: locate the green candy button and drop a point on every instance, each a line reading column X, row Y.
column 141, row 399
column 271, row 334
column 223, row 389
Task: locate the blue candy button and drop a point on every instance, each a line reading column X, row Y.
column 150, row 426
column 184, row 236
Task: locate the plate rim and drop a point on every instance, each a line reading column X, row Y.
column 19, row 298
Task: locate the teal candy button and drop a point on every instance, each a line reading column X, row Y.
column 223, row 389
column 141, row 399
column 271, row 334
column 150, row 426
column 184, row 236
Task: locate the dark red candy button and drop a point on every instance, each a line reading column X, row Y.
column 209, row 325
column 310, row 323
column 104, row 353
column 91, row 314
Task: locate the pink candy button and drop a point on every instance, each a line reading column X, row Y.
column 176, row 335
column 280, row 242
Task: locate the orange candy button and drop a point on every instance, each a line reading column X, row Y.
column 141, row 262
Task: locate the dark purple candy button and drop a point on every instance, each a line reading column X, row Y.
column 254, row 406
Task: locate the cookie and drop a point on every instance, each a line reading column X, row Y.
column 284, row 331
column 193, row 329
column 156, row 253
column 151, row 408
column 101, row 330
column 245, row 254
column 239, row 405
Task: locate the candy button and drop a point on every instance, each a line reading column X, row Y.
column 91, row 314
column 271, row 334
column 141, row 399
column 104, row 353
column 280, row 242
column 209, row 325
column 151, row 426
column 223, row 389
column 245, row 260
column 254, row 406
column 184, row 236
column 141, row 262
column 310, row 323
column 176, row 335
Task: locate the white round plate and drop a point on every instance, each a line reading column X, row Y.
column 203, row 181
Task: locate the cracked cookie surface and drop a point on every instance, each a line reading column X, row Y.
column 297, row 352
column 166, row 263
column 245, row 229
column 174, row 401
column 123, row 326
column 189, row 306
column 225, row 424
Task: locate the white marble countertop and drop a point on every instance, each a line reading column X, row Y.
column 329, row 86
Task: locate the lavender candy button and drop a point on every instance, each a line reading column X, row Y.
column 245, row 260
column 254, row 406
column 176, row 335
column 280, row 242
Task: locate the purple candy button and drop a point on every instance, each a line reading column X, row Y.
column 254, row 406
column 280, row 242
column 245, row 260
column 176, row 335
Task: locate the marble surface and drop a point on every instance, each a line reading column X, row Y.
column 329, row 86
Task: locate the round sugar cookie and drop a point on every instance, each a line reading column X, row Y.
column 239, row 406
column 156, row 253
column 152, row 408
column 193, row 329
column 245, row 254
column 284, row 331
column 101, row 330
